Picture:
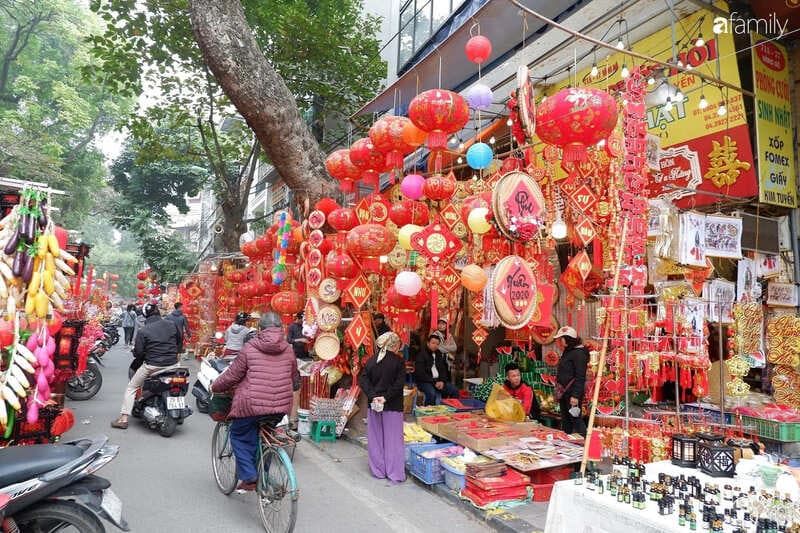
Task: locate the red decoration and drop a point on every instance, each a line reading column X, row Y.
column 409, row 212
column 141, row 276
column 339, row 166
column 287, row 303
column 368, row 242
column 405, row 309
column 341, row 267
column 387, row 137
column 440, row 113
column 436, row 242
column 575, row 118
column 358, row 292
column 478, row 49
column 438, row 187
column 358, row 333
column 343, row 219
column 369, row 160
column 326, row 205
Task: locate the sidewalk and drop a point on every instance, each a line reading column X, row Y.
column 528, row 518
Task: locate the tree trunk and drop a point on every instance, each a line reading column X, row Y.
column 261, row 96
column 232, row 227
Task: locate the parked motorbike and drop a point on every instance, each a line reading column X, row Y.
column 111, row 331
column 86, row 385
column 210, row 369
column 50, row 487
column 161, row 401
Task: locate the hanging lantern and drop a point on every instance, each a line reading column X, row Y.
column 478, row 49
column 477, row 221
column 339, row 166
column 368, row 160
column 387, row 137
column 141, row 276
column 575, row 118
column 343, row 219
column 480, row 96
column 326, row 205
column 473, row 278
column 405, row 234
column 413, row 136
column 440, row 113
column 287, row 303
column 438, row 187
column 140, row 286
column 479, row 156
column 409, row 212
column 412, row 186
column 408, row 283
column 405, row 309
column 341, row 267
column 368, row 242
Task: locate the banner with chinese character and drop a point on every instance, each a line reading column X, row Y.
column 773, row 123
column 697, row 149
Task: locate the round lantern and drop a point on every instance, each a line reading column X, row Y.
column 409, row 212
column 343, row 219
column 473, row 278
column 326, row 205
column 141, row 276
column 140, row 286
column 405, row 309
column 408, row 283
column 412, row 186
column 413, row 136
column 287, row 303
column 480, row 96
column 575, row 118
column 440, row 113
column 438, row 187
column 479, row 156
column 341, row 267
column 478, row 49
column 339, row 166
column 405, row 234
column 370, row 161
column 387, row 137
column 477, row 221
column 368, row 242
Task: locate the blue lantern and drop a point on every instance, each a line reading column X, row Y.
column 479, row 156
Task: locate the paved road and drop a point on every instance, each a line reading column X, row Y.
column 167, row 485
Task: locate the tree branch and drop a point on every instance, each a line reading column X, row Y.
column 75, row 151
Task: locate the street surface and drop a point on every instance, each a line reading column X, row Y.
column 167, row 484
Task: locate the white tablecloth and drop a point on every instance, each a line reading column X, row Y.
column 575, row 509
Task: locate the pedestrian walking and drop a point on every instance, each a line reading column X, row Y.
column 129, row 323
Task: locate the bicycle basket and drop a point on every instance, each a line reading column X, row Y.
column 219, row 406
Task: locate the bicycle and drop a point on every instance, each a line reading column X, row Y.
column 277, row 485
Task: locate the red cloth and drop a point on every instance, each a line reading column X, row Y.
column 263, row 374
column 524, row 394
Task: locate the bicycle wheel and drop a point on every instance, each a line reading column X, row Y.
column 222, row 460
column 277, row 491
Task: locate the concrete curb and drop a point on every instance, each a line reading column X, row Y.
column 507, row 523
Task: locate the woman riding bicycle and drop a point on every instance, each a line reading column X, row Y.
column 263, row 374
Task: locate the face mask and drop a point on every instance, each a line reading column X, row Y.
column 575, row 411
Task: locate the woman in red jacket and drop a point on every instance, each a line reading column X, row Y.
column 262, row 374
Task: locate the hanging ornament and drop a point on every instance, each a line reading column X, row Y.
column 368, row 242
column 478, row 49
column 473, row 278
column 405, row 234
column 339, row 165
column 408, row 283
column 479, row 156
column 341, row 267
column 343, row 219
column 439, row 187
column 412, row 186
column 387, row 136
column 440, row 113
column 370, row 161
column 477, row 220
column 480, row 96
column 409, row 212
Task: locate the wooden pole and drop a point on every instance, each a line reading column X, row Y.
column 602, row 362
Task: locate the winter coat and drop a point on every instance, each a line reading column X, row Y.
column 262, row 373
column 572, row 366
column 424, row 363
column 138, row 324
column 235, row 337
column 295, row 339
column 385, row 379
column 180, row 321
column 158, row 342
column 128, row 319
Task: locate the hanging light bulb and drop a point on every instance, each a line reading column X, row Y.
column 509, row 122
column 651, row 80
column 474, row 177
column 703, row 102
column 678, row 96
column 559, row 228
column 492, row 140
column 594, row 71
column 699, row 41
column 721, row 110
column 625, row 72
column 460, row 160
column 453, row 140
column 668, row 105
column 680, row 63
column 543, row 99
column 461, row 147
column 601, row 143
column 620, row 44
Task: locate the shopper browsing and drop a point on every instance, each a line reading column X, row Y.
column 571, row 379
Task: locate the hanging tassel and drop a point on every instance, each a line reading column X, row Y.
column 686, row 378
column 595, row 447
column 434, row 306
column 597, row 254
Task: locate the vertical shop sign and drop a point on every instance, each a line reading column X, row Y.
column 776, row 165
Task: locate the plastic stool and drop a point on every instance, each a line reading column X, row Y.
column 323, row 430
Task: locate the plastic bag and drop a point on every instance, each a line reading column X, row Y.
column 502, row 406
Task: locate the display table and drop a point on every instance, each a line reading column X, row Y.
column 575, row 508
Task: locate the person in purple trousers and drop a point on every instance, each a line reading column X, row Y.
column 382, row 381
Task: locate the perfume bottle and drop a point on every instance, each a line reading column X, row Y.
column 692, row 521
column 681, row 515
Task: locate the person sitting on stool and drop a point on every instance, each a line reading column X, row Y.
column 432, row 374
column 520, row 391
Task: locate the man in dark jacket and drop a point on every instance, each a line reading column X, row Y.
column 156, row 348
column 180, row 320
column 432, row 374
column 297, row 340
column 262, row 373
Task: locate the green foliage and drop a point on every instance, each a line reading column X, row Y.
column 50, row 115
column 114, row 252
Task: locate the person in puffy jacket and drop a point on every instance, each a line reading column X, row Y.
column 237, row 334
column 571, row 378
column 262, row 375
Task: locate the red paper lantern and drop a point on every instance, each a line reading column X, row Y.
column 141, row 276
column 478, row 49
column 387, row 137
column 287, row 303
column 140, row 286
column 249, row 249
column 368, row 242
column 369, row 160
column 341, row 267
column 575, row 118
column 265, row 243
column 326, row 205
column 339, row 166
column 140, row 294
column 343, row 219
column 438, row 187
column 440, row 113
column 405, row 309
column 409, row 212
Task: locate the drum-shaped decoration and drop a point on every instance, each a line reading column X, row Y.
column 328, row 318
column 518, row 206
column 327, row 346
column 513, row 287
column 328, row 290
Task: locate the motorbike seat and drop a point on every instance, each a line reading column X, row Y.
column 19, row 463
column 167, row 371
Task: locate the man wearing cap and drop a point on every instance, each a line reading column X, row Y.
column 447, row 344
column 571, row 379
column 296, row 339
column 379, row 325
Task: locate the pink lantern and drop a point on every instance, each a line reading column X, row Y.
column 412, row 186
column 478, row 49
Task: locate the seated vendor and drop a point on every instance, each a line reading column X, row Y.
column 521, row 391
column 432, row 373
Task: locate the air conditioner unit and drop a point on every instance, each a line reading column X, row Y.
column 760, row 234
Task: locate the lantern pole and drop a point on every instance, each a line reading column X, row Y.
column 602, row 362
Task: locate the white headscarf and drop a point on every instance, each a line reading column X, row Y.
column 388, row 342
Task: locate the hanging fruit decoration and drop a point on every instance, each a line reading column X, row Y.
column 575, row 118
column 387, row 136
column 339, row 165
column 440, row 113
column 370, row 161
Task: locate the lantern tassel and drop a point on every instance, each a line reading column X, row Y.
column 437, row 140
column 434, row 306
